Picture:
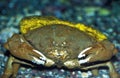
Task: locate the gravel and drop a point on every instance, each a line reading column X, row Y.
column 102, row 15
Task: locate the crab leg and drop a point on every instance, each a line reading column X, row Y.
column 113, row 73
column 11, row 68
column 94, row 66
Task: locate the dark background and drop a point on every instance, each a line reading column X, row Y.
column 103, row 15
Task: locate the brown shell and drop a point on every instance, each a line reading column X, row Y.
column 59, row 42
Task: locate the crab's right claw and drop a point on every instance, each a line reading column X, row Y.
column 27, row 52
column 37, row 57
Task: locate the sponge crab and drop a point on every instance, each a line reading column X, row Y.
column 49, row 41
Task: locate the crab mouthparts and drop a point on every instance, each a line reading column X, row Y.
column 59, row 64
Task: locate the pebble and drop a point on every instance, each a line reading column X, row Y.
column 85, row 75
column 104, row 19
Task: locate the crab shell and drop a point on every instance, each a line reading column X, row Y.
column 59, row 43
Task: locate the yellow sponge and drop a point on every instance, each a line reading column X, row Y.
column 33, row 22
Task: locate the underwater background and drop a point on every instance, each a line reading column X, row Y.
column 103, row 15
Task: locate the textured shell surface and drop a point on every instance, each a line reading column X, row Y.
column 59, row 42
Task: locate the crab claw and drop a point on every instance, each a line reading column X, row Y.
column 82, row 54
column 31, row 54
column 27, row 52
column 40, row 60
column 98, row 52
column 21, row 49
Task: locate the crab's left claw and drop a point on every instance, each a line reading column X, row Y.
column 100, row 52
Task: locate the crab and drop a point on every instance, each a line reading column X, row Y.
column 49, row 41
